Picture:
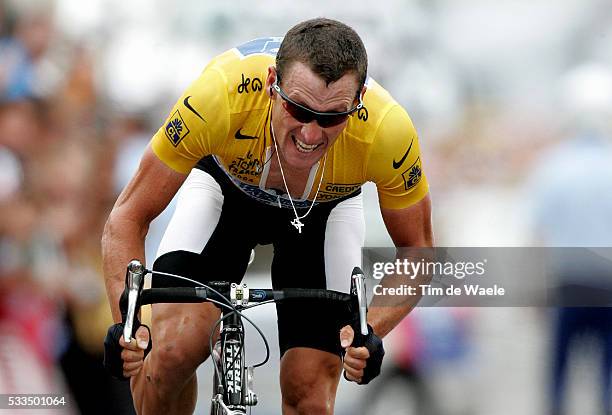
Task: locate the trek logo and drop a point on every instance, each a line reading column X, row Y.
column 398, row 164
column 233, row 362
column 240, row 136
column 176, row 129
column 190, row 108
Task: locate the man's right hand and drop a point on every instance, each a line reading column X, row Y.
column 124, row 360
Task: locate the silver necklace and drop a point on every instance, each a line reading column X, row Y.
column 297, row 223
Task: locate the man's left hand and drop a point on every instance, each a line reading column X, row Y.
column 361, row 364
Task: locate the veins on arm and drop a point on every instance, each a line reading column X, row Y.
column 409, row 227
column 147, row 194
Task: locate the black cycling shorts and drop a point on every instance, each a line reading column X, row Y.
column 222, row 224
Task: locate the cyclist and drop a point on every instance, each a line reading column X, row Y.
column 271, row 145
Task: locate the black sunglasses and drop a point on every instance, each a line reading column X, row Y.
column 306, row 115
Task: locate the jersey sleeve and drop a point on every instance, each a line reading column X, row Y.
column 197, row 124
column 394, row 162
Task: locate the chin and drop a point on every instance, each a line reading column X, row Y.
column 301, row 163
column 299, row 160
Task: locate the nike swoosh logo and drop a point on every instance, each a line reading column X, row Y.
column 240, row 136
column 190, row 108
column 398, row 164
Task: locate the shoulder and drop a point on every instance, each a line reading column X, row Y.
column 245, row 66
column 242, row 71
column 390, row 148
column 226, row 96
column 382, row 124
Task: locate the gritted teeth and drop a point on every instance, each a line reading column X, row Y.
column 303, row 147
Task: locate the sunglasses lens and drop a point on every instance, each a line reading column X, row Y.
column 298, row 113
column 306, row 117
column 326, row 121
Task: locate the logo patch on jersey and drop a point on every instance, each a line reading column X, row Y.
column 245, row 168
column 413, row 175
column 363, row 114
column 256, row 85
column 398, row 164
column 190, row 108
column 333, row 191
column 176, row 129
column 240, row 136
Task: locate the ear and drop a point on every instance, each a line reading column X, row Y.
column 270, row 81
column 363, row 91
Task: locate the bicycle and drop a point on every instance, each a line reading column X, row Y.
column 232, row 379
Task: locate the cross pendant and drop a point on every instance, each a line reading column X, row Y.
column 297, row 224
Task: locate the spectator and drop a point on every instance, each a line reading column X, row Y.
column 572, row 207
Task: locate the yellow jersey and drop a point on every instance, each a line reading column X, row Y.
column 226, row 113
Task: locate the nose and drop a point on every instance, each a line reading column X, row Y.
column 312, row 133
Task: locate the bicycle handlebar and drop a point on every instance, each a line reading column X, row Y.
column 202, row 294
column 228, row 293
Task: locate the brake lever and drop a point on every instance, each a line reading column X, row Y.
column 134, row 283
column 358, row 291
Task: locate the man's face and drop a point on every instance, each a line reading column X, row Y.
column 301, row 145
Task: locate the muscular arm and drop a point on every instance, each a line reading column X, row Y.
column 145, row 197
column 409, row 227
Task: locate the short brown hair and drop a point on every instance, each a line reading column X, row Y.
column 329, row 48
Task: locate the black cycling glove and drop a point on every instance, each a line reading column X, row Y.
column 112, row 350
column 374, row 344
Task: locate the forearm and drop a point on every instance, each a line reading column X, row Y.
column 122, row 241
column 412, row 233
column 386, row 311
column 383, row 319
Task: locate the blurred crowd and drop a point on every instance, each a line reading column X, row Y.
column 66, row 150
column 58, row 147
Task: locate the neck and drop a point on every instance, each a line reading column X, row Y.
column 296, row 179
column 283, row 176
column 288, row 170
